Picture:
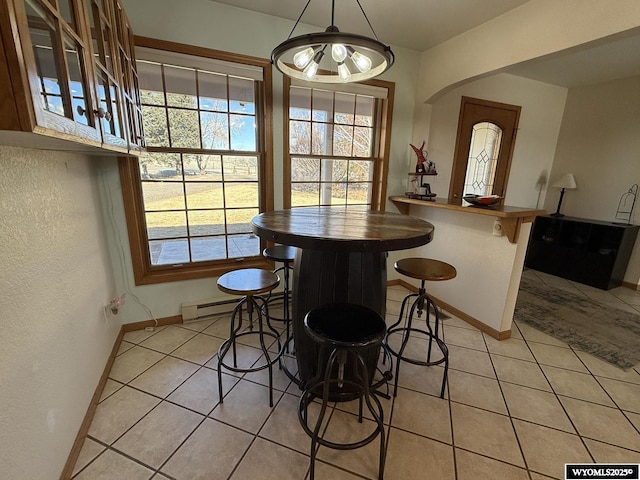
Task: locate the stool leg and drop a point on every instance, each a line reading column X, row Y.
column 422, row 293
column 364, row 380
column 427, row 321
column 405, row 334
column 422, row 301
column 323, row 409
column 252, row 301
column 445, row 352
column 361, row 379
column 230, row 342
column 286, row 315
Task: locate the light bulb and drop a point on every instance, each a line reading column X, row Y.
column 302, row 58
column 361, row 61
column 312, row 67
column 338, row 52
column 344, row 72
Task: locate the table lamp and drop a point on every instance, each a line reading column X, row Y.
column 566, row 182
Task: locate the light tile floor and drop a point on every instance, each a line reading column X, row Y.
column 514, row 409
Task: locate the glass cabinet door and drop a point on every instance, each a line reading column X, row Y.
column 109, row 108
column 128, row 77
column 59, row 55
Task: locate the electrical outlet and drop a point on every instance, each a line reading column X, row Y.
column 497, row 228
column 115, row 304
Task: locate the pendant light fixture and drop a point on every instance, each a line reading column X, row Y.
column 332, row 56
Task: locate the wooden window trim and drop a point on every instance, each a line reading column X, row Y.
column 381, row 164
column 144, row 273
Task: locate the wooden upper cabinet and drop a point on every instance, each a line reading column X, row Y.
column 66, row 75
column 129, row 77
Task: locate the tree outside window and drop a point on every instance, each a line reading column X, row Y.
column 201, row 181
column 334, row 148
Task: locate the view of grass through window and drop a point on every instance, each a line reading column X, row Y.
column 200, row 179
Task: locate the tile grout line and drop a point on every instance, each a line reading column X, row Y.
column 506, row 404
column 558, row 397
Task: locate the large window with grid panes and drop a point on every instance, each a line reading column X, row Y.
column 207, row 168
column 336, row 139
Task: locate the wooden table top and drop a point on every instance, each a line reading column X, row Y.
column 337, row 229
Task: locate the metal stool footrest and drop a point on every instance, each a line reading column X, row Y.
column 347, row 333
column 324, row 381
column 270, row 358
column 421, row 303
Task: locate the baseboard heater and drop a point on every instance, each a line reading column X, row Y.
column 195, row 311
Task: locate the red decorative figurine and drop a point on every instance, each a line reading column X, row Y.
column 422, row 159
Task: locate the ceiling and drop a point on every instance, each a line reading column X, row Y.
column 602, row 62
column 422, row 24
column 415, row 24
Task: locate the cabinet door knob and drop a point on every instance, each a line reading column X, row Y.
column 100, row 112
column 81, row 111
column 107, row 116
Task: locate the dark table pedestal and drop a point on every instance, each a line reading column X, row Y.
column 341, row 258
column 325, row 276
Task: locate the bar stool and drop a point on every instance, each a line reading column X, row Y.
column 286, row 255
column 424, row 269
column 249, row 282
column 343, row 331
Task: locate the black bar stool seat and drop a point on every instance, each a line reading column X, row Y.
column 251, row 283
column 280, row 253
column 423, row 269
column 343, row 331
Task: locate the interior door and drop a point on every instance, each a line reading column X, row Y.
column 484, row 147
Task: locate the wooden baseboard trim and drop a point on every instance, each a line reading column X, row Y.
column 131, row 327
column 67, row 471
column 474, row 322
column 630, row 285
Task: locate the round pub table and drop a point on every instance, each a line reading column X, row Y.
column 341, row 259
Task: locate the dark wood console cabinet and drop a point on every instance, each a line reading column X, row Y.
column 592, row 252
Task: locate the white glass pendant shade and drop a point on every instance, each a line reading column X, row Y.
column 303, row 57
column 339, row 52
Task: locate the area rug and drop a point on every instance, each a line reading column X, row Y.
column 606, row 332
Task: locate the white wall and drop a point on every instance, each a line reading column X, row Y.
column 540, row 118
column 213, row 25
column 599, row 143
column 533, row 30
column 486, row 284
column 56, row 278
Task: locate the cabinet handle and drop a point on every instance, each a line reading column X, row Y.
column 107, row 116
column 81, row 111
column 100, row 112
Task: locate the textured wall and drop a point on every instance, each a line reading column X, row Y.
column 55, row 279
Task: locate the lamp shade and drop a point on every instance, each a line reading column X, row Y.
column 566, row 181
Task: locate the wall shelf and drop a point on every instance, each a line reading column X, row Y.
column 510, row 217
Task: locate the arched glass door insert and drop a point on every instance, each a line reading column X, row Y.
column 486, row 138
